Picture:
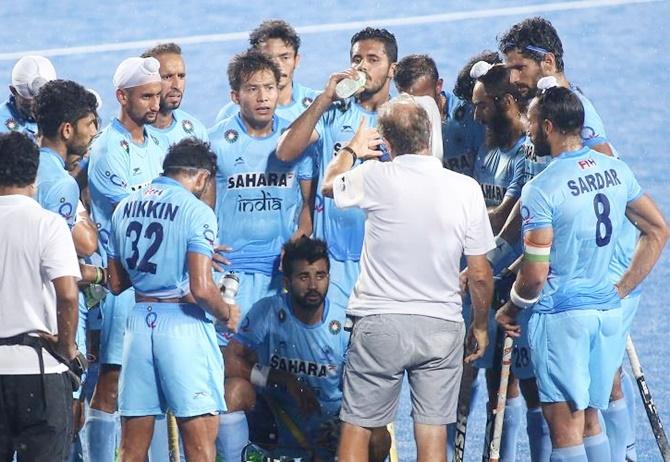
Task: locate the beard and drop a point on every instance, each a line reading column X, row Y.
column 541, row 145
column 310, row 301
column 500, row 131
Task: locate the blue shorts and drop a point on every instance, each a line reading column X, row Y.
column 343, row 277
column 253, row 287
column 576, row 354
column 170, row 362
column 522, row 363
column 629, row 306
column 114, row 309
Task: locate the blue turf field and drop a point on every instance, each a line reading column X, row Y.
column 618, row 54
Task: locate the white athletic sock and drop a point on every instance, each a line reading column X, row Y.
column 233, row 436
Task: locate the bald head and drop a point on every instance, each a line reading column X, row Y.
column 405, row 126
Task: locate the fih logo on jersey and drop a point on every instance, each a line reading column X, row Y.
column 187, row 125
column 231, row 135
column 302, row 367
column 586, row 163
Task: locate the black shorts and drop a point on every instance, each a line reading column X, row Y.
column 35, row 430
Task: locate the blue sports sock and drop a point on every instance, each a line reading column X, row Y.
column 616, row 424
column 629, row 394
column 233, row 436
column 539, row 439
column 511, row 427
column 569, row 454
column 101, row 428
column 597, row 448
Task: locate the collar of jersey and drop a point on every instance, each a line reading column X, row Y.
column 52, row 153
column 240, row 123
column 516, row 145
column 362, row 109
column 577, row 153
column 308, row 326
column 169, row 127
column 167, row 181
column 118, row 126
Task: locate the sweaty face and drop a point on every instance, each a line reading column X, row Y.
column 257, row 98
column 173, row 74
column 284, row 56
column 536, row 131
column 142, row 103
column 84, row 131
column 369, row 57
column 308, row 284
column 525, row 73
column 424, row 86
column 484, row 105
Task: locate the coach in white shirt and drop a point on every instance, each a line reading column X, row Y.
column 38, row 303
column 420, row 220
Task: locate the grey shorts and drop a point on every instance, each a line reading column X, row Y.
column 382, row 348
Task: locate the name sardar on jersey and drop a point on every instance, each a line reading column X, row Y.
column 299, row 366
column 594, row 181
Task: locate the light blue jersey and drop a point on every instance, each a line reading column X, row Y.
column 11, row 120
column 342, row 229
column 462, row 135
column 301, row 98
column 184, row 125
column 118, row 166
column 152, row 232
column 313, row 353
column 57, row 190
column 582, row 195
column 499, row 172
column 258, row 197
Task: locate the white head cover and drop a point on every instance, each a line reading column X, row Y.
column 545, row 83
column 479, row 68
column 133, row 72
column 30, row 73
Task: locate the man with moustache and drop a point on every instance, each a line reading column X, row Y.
column 280, row 42
column 261, row 202
column 124, row 158
column 373, row 52
column 172, row 124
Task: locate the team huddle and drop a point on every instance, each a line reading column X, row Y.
column 216, row 267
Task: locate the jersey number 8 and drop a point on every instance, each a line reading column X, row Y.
column 601, row 206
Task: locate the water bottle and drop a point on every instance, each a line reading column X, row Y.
column 349, row 87
column 229, row 286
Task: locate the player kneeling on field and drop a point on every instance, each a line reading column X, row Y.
column 284, row 366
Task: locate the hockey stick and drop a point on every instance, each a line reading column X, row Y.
column 494, row 452
column 173, row 437
column 463, row 409
column 393, row 452
column 649, row 406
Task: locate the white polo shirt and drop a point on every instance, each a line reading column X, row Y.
column 35, row 247
column 421, row 218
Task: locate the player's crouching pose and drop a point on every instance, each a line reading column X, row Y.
column 288, row 358
column 162, row 243
column 572, row 219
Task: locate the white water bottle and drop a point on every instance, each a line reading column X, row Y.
column 229, row 286
column 348, row 87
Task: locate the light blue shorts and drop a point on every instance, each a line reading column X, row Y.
column 576, row 354
column 343, row 277
column 253, row 287
column 522, row 364
column 114, row 309
column 629, row 306
column 170, row 362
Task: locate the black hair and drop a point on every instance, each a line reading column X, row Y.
column 190, row 153
column 497, row 84
column 274, row 29
column 464, row 83
column 411, row 68
column 244, row 65
column 303, row 248
column 533, row 37
column 563, row 108
column 381, row 35
column 61, row 101
column 19, row 159
column 162, row 49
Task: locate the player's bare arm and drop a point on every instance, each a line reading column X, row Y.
column 302, row 133
column 645, row 215
column 306, row 217
column 481, row 292
column 84, row 235
column 499, row 215
column 117, row 277
column 239, row 360
column 206, row 292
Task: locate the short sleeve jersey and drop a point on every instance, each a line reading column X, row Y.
column 117, row 167
column 154, row 229
column 57, row 190
column 258, row 197
column 499, row 172
column 582, row 195
column 462, row 135
column 315, row 353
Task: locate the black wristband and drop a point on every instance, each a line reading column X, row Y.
column 352, row 152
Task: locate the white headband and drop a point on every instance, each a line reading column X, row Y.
column 545, row 83
column 479, row 69
column 30, row 73
column 133, row 72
